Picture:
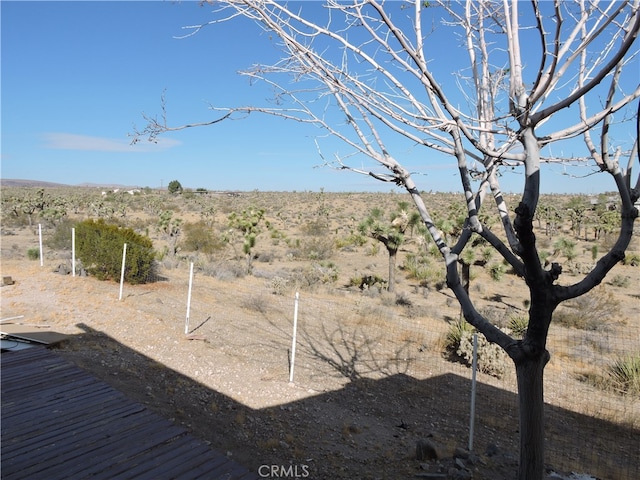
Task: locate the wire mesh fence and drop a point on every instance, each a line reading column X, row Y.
column 592, row 415
column 589, row 424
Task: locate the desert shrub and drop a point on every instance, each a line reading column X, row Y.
column 99, row 247
column 423, row 268
column 278, row 285
column 497, row 271
column 632, row 259
column 199, row 238
column 256, row 303
column 61, row 238
column 365, row 282
column 518, row 325
column 492, row 360
column 318, row 273
column 458, row 345
column 454, row 334
column 620, row 281
column 373, row 250
column 352, row 240
column 566, row 247
column 224, row 270
column 33, row 253
column 276, row 236
column 315, row 228
column 624, row 375
column 319, row 248
column 403, row 300
column 595, row 311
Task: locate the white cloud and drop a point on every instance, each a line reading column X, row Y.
column 71, row 141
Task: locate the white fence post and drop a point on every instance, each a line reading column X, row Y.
column 40, row 244
column 295, row 331
column 474, row 365
column 186, row 325
column 73, row 251
column 124, row 257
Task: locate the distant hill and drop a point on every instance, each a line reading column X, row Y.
column 15, row 182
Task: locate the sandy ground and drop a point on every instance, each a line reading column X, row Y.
column 360, row 402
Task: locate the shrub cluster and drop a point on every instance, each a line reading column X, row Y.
column 458, row 344
column 99, row 247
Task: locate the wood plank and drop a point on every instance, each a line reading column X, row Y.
column 126, row 447
column 88, row 396
column 170, row 459
column 65, row 452
column 59, row 422
column 51, row 431
column 32, row 334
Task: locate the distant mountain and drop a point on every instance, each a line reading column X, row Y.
column 15, row 182
column 106, row 185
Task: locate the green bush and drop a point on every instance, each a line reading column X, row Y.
column 518, row 324
column 99, row 247
column 497, row 271
column 33, row 253
column 454, row 335
column 632, row 259
column 200, row 238
column 61, row 238
column 624, row 375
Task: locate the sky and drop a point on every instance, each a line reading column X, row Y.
column 77, row 77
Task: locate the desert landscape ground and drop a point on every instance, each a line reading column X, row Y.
column 372, row 378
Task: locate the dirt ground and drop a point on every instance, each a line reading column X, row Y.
column 372, row 394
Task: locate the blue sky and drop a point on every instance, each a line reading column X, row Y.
column 77, row 76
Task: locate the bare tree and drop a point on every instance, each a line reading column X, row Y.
column 379, row 64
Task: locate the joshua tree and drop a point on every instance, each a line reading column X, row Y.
column 390, row 233
column 171, row 228
column 529, row 77
column 247, row 222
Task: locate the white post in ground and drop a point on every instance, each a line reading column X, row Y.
column 124, row 257
column 474, row 365
column 73, row 252
column 186, row 325
column 295, row 332
column 40, row 244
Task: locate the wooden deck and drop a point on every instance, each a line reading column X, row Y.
column 60, row 422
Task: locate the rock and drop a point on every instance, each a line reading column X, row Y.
column 492, row 449
column 62, row 269
column 426, row 450
column 461, row 453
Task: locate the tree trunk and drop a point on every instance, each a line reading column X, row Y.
column 530, row 374
column 392, row 270
column 466, row 276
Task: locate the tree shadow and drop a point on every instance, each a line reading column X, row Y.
column 352, row 426
column 352, row 354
